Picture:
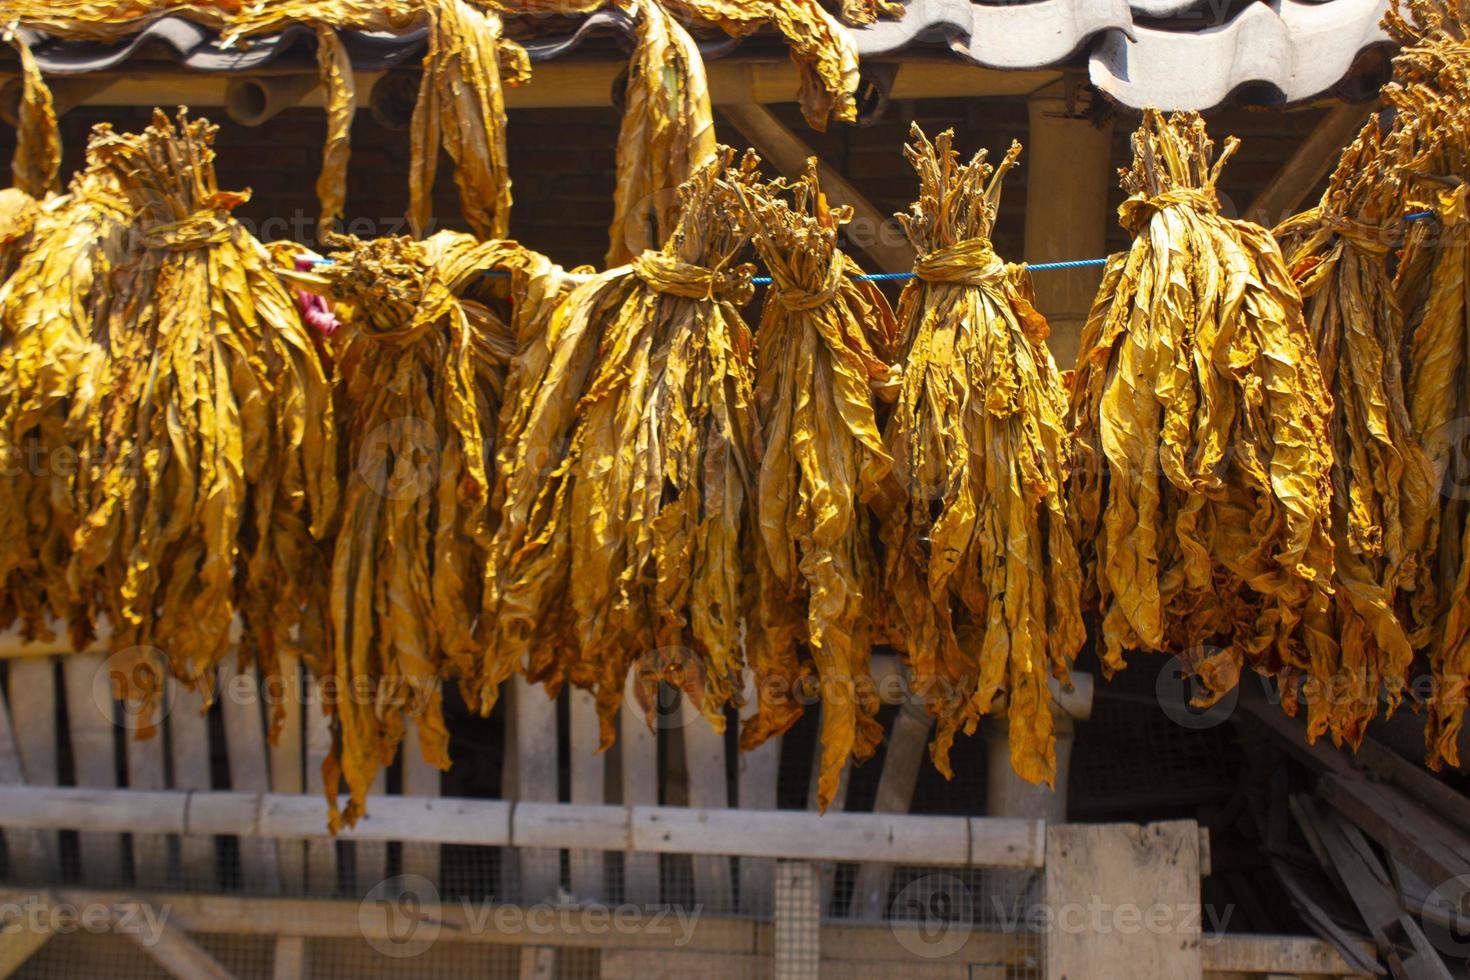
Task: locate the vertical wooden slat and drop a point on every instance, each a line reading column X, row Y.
column 370, row 857
column 32, row 853
column 188, row 733
column 147, row 769
column 288, row 768
column 758, row 775
column 537, row 963
column 419, row 779
column 798, row 937
column 839, row 803
column 89, row 710
column 290, row 961
column 588, row 785
column 704, row 754
column 37, row 727
column 245, row 743
column 638, row 761
column 535, row 782
column 901, row 761
column 321, row 852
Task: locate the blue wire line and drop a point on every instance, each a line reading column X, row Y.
column 897, row 276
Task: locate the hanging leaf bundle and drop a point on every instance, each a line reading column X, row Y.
column 52, row 307
column 210, row 448
column 627, row 468
column 1203, row 490
column 860, row 13
column 1340, row 254
column 1430, row 91
column 822, row 345
column 979, row 554
column 423, row 356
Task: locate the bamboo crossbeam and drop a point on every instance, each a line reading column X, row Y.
column 868, row 837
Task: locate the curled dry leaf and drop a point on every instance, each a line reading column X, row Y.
column 423, row 356
column 626, row 468
column 1203, row 484
column 820, row 344
column 979, row 553
column 51, row 308
column 209, row 450
column 1340, row 254
column 1430, row 91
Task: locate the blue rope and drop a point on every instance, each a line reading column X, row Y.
column 897, row 276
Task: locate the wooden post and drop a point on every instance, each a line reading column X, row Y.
column 798, row 943
column 534, row 724
column 1123, row 900
column 757, row 776
column 245, row 744
column 419, row 779
column 638, row 758
column 32, row 854
column 1068, row 179
column 704, row 754
column 35, row 718
column 89, row 711
column 321, row 854
column 287, row 768
column 188, row 734
column 589, row 785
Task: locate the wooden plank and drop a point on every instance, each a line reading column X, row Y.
column 798, row 921
column 321, row 854
column 1403, row 828
column 89, row 709
column 19, row 941
column 36, row 727
column 31, row 854
column 709, row 788
column 245, row 743
column 147, row 769
column 1274, row 954
column 1152, row 871
column 288, row 767
column 421, row 780
column 188, row 735
column 1385, row 764
column 1309, row 165
column 370, row 857
column 902, row 758
column 173, row 949
column 289, row 961
column 536, row 781
column 756, row 785
column 874, row 231
column 588, row 785
column 837, row 805
column 637, row 750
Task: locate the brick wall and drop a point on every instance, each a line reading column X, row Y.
column 562, row 165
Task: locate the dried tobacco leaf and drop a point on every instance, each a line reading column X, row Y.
column 37, row 160
column 1430, row 91
column 979, row 553
column 18, row 213
column 818, row 364
column 210, row 450
column 667, row 135
column 1340, row 253
column 423, row 356
column 820, row 47
column 626, row 469
column 1203, row 484
column 860, row 13
column 51, row 308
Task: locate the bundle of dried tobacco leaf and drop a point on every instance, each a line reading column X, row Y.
column 1431, row 92
column 626, row 471
column 1203, row 485
column 821, row 348
column 978, row 552
column 1340, row 254
column 423, row 355
column 18, row 212
column 210, row 473
column 51, row 308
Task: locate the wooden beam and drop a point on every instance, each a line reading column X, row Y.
column 174, row 950
column 1313, row 160
column 19, row 941
column 986, row 842
column 875, row 232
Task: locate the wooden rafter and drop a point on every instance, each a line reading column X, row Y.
column 1311, row 162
